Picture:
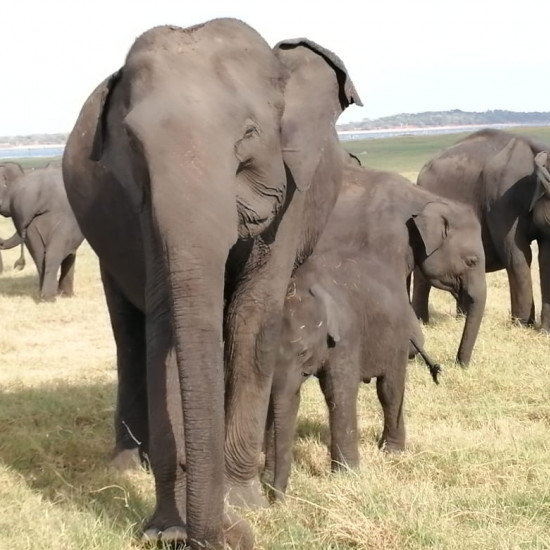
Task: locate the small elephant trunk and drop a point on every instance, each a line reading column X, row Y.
column 12, row 242
column 475, row 293
column 285, row 410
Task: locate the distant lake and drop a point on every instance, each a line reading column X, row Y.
column 57, row 150
column 30, row 152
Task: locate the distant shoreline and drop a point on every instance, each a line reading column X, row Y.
column 8, row 150
column 350, row 135
column 431, row 128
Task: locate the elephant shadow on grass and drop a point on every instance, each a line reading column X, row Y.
column 27, row 285
column 57, row 437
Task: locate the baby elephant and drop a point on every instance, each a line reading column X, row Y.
column 38, row 205
column 346, row 319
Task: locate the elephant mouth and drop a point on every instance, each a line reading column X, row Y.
column 453, row 287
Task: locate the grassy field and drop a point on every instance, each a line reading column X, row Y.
column 475, row 475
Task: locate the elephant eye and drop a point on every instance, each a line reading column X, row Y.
column 302, row 353
column 471, row 261
column 306, row 374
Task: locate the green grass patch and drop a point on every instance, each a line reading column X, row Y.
column 407, row 154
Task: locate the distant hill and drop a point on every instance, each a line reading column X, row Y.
column 456, row 117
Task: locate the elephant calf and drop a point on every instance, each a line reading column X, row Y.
column 409, row 228
column 346, row 320
column 38, row 205
column 9, row 172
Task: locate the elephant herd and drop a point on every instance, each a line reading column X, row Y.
column 242, row 251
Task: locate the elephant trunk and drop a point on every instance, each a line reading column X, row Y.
column 194, row 222
column 196, row 295
column 12, row 242
column 285, row 411
column 475, row 293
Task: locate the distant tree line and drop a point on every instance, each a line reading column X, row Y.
column 456, row 117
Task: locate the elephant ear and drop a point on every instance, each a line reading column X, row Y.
column 101, row 126
column 512, row 163
column 542, row 166
column 331, row 312
column 432, row 225
column 317, row 90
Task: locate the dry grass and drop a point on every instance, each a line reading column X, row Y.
column 475, row 474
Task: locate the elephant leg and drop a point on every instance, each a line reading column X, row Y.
column 521, row 286
column 48, row 286
column 1, row 264
column 65, row 286
column 391, row 391
column 340, row 393
column 252, row 331
column 544, row 267
column 37, row 250
column 421, row 295
column 166, row 443
column 131, row 417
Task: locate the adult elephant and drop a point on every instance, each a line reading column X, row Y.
column 410, row 228
column 38, row 205
column 505, row 179
column 9, row 172
column 196, row 253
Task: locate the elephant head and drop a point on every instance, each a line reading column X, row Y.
column 266, row 116
column 450, row 256
column 9, row 172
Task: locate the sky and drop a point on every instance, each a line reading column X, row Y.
column 403, row 56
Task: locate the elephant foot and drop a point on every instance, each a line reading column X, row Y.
column 237, row 533
column 245, row 495
column 127, row 459
column 342, row 464
column 523, row 323
column 65, row 293
column 175, row 535
column 391, row 447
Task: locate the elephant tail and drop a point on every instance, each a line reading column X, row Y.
column 435, row 368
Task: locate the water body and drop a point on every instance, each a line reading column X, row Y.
column 31, row 152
